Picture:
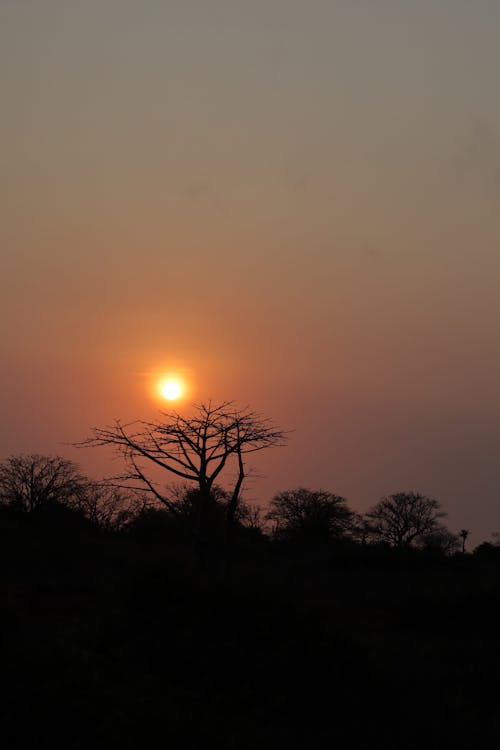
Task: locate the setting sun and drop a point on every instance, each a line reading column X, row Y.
column 171, row 390
column 169, row 384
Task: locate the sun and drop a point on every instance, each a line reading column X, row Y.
column 171, row 390
column 171, row 386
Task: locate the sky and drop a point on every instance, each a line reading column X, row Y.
column 294, row 205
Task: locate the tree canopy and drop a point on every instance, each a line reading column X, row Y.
column 314, row 515
column 199, row 447
column 402, row 518
column 28, row 481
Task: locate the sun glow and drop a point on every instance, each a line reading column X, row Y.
column 171, row 390
column 169, row 385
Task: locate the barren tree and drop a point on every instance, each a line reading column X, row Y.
column 197, row 448
column 30, row 481
column 106, row 507
column 402, row 518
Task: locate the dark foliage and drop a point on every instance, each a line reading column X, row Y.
column 487, row 552
column 113, row 637
column 113, row 643
column 310, row 516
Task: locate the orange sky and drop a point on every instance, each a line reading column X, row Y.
column 294, row 204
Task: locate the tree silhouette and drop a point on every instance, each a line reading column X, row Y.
column 312, row 515
column 197, row 448
column 106, row 507
column 463, row 534
column 29, row 481
column 440, row 540
column 178, row 524
column 402, row 518
column 184, row 499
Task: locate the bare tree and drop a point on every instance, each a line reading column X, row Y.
column 30, row 481
column 308, row 514
column 251, row 517
column 197, row 448
column 108, row 508
column 402, row 518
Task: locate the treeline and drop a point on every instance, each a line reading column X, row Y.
column 304, row 617
column 54, row 491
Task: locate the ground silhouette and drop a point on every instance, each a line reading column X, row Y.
column 113, row 637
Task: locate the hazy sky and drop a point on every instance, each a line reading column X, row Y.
column 296, row 204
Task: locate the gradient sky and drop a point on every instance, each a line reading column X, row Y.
column 297, row 204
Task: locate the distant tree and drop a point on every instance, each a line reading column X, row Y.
column 310, row 515
column 106, row 507
column 198, row 448
column 441, row 540
column 28, row 482
column 403, row 518
column 463, row 534
column 252, row 518
column 487, row 551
